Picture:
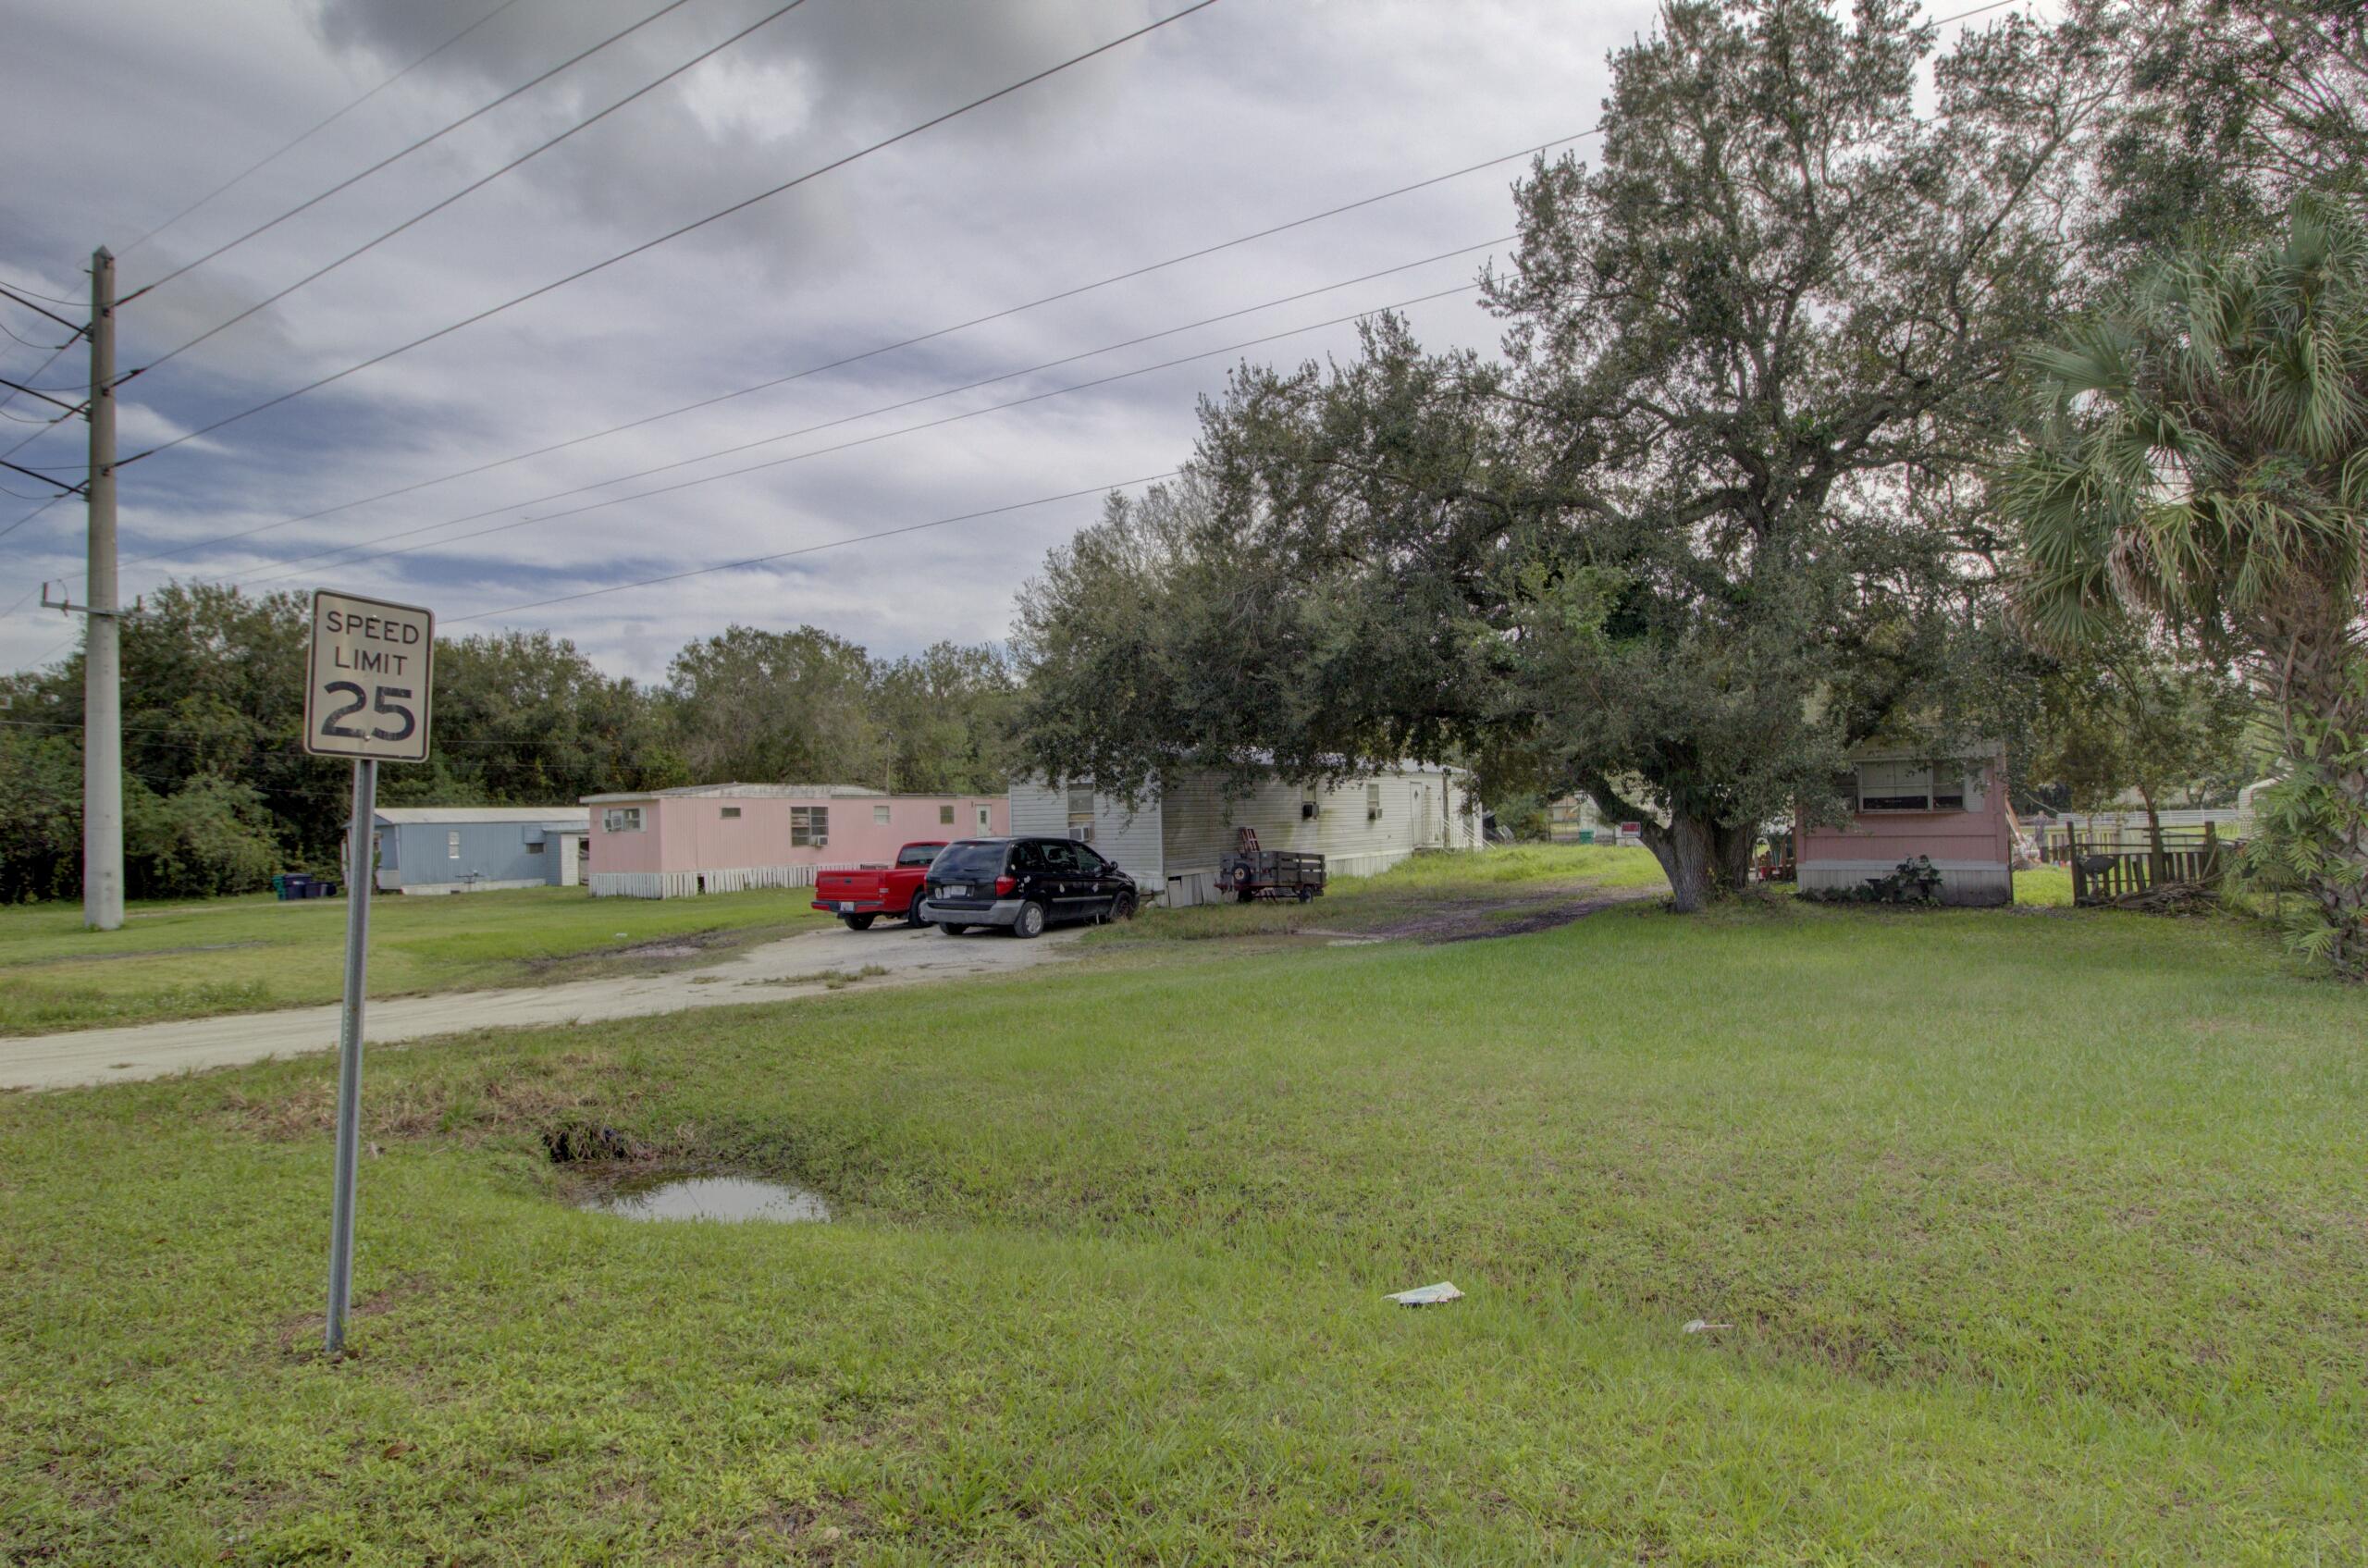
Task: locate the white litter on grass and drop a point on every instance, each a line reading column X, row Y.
column 1428, row 1295
column 1699, row 1327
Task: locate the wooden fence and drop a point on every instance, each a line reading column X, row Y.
column 2107, row 866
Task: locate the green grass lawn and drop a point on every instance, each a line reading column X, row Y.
column 174, row 960
column 1462, row 889
column 2044, row 1235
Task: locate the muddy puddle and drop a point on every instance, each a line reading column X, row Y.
column 726, row 1199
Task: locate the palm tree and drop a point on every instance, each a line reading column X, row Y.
column 2203, row 458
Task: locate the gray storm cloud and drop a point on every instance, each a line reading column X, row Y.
column 1243, row 116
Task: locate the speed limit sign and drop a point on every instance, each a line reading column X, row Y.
column 368, row 694
column 365, row 696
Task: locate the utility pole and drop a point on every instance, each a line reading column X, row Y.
column 102, row 644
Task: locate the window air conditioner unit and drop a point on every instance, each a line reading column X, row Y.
column 1306, row 809
column 821, row 844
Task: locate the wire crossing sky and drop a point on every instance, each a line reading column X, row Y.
column 602, row 253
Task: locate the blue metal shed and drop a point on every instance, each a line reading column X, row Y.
column 477, row 848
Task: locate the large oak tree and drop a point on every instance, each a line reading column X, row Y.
column 1708, row 519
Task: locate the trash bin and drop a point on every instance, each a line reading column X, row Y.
column 295, row 884
column 280, row 886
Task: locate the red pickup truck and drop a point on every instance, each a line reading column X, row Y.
column 863, row 895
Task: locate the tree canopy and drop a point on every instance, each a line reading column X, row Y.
column 1708, row 520
column 219, row 794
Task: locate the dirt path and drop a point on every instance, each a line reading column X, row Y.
column 1476, row 919
column 777, row 971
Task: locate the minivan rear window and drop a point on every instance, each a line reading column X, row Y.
column 958, row 860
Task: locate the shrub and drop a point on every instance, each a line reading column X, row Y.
column 213, row 836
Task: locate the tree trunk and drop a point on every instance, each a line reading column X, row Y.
column 1684, row 850
column 2321, row 691
column 1703, row 859
column 2342, row 889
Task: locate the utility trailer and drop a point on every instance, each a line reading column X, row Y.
column 1251, row 872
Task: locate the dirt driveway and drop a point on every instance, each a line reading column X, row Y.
column 804, row 965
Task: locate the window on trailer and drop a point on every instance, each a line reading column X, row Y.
column 809, row 825
column 620, row 819
column 1907, row 786
column 880, row 815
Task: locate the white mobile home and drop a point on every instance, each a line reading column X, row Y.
column 1176, row 839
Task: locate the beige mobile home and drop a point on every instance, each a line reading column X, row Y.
column 1175, row 840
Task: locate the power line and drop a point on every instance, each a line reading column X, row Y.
column 19, row 523
column 45, row 424
column 6, row 293
column 809, row 550
column 917, row 338
column 52, row 653
column 52, row 299
column 672, row 234
column 909, row 528
column 34, row 374
column 1978, row 10
column 320, row 272
column 44, row 396
column 56, row 348
column 866, row 440
column 313, row 130
column 890, row 408
column 64, row 488
column 353, row 179
column 857, row 358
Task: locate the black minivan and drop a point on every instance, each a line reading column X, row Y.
column 1022, row 884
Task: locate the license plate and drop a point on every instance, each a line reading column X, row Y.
column 954, row 892
column 846, row 908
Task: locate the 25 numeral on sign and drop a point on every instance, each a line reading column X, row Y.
column 371, row 680
column 378, row 703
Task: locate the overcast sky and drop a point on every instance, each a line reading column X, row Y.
column 118, row 113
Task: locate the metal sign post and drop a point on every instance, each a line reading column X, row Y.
column 367, row 697
column 348, row 1045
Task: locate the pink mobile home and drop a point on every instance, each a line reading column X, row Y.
column 1951, row 808
column 722, row 838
